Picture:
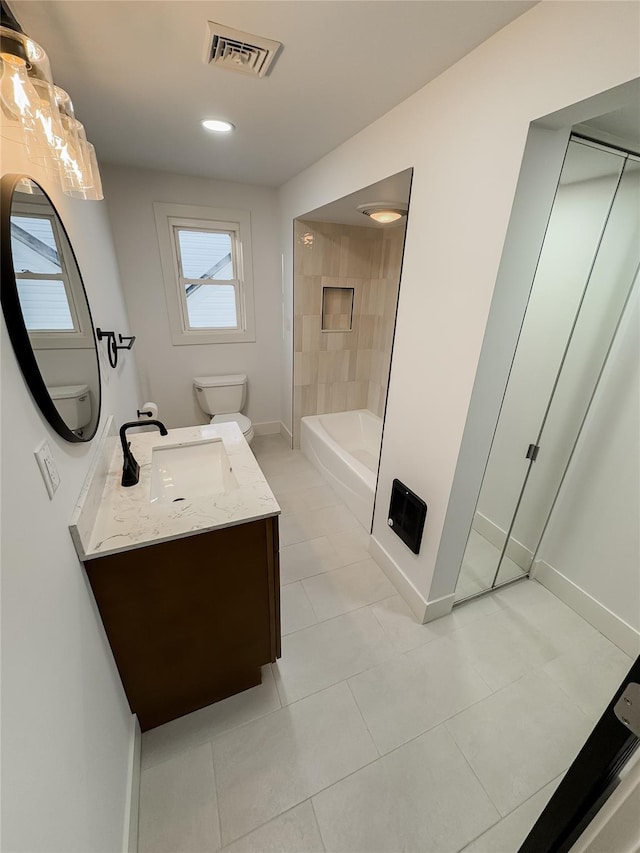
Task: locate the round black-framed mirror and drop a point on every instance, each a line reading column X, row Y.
column 46, row 310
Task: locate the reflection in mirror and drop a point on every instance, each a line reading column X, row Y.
column 586, row 270
column 47, row 312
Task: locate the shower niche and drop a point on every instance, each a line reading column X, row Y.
column 585, row 274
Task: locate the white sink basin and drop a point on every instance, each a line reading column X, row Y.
column 190, row 470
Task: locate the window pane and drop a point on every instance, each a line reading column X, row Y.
column 205, row 254
column 33, row 245
column 211, row 306
column 44, row 305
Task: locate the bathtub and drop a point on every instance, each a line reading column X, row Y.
column 345, row 448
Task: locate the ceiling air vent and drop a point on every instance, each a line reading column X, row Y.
column 238, row 51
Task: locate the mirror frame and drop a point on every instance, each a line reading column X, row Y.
column 14, row 319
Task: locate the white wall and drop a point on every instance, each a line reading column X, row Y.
column 66, row 724
column 167, row 371
column 464, row 134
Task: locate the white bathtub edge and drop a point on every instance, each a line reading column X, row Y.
column 350, row 479
column 406, row 590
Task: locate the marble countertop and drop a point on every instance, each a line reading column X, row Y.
column 114, row 518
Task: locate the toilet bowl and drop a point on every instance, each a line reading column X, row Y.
column 242, row 420
column 223, row 397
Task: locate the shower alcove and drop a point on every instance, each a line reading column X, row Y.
column 346, row 284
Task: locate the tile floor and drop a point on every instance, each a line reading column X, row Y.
column 375, row 733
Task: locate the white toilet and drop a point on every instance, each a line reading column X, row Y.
column 223, row 397
column 73, row 403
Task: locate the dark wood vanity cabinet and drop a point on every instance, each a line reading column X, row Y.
column 192, row 620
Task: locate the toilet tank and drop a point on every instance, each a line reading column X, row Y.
column 73, row 403
column 221, row 395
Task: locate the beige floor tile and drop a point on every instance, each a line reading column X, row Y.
column 519, row 739
column 305, row 559
column 351, row 545
column 298, row 527
column 503, row 647
column 265, row 444
column 329, row 652
column 302, row 500
column 178, row 805
column 287, row 481
column 272, row 764
column 590, row 673
column 557, row 622
column 347, row 588
column 406, row 696
column 507, row 835
column 400, row 625
column 422, row 797
column 296, row 611
column 311, row 524
column 295, row 831
column 406, row 633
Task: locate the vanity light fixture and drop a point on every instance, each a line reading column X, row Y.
column 38, row 114
column 218, row 125
column 383, row 212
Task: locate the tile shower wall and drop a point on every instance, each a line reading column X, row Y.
column 337, row 371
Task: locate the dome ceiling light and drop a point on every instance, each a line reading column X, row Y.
column 384, row 212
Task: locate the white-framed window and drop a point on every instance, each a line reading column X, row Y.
column 50, row 295
column 207, row 270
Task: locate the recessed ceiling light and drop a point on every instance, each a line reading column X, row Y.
column 384, row 212
column 218, row 125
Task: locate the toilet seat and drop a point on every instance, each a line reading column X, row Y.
column 242, row 420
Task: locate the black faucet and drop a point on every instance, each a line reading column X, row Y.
column 131, row 469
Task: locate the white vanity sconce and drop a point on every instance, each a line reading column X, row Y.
column 113, row 346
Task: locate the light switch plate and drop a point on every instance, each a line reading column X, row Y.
column 48, row 468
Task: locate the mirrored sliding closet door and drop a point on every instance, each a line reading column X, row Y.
column 585, row 274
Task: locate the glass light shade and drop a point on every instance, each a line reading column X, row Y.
column 89, row 187
column 23, row 61
column 18, row 98
column 383, row 212
column 75, row 173
column 42, row 149
column 39, row 115
column 385, row 216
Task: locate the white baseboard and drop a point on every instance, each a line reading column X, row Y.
column 490, row 531
column 130, row 839
column 267, row 428
column 612, row 626
column 286, row 434
column 439, row 607
column 394, row 573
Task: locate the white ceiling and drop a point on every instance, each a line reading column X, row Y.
column 135, row 72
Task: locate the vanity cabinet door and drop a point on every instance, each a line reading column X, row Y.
column 192, row 620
